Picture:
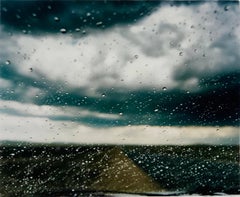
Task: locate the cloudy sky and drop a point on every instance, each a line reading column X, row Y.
column 120, row 72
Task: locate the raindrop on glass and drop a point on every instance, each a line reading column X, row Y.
column 121, row 114
column 136, row 56
column 4, row 9
column 156, row 110
column 18, row 16
column 8, row 62
column 56, row 19
column 103, row 95
column 226, row 8
column 164, row 88
column 99, row 23
column 181, row 53
column 63, row 30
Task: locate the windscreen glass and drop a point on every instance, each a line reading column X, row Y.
column 137, row 97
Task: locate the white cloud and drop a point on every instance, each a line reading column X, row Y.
column 37, row 129
column 108, row 59
column 46, row 111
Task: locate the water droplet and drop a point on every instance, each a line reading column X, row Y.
column 18, row 16
column 63, row 30
column 136, row 56
column 77, row 29
column 164, row 88
column 56, row 19
column 31, row 69
column 103, row 95
column 8, row 62
column 4, row 9
column 181, row 53
column 156, row 110
column 226, row 8
column 120, row 113
column 188, row 92
column 49, row 7
column 88, row 14
column 34, row 14
column 99, row 23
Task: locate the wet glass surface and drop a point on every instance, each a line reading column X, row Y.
column 109, row 97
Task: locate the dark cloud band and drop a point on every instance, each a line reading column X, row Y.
column 51, row 16
column 216, row 104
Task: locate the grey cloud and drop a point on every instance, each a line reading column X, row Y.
column 163, row 38
column 212, row 64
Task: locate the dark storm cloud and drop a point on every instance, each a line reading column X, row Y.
column 216, row 107
column 50, row 16
column 216, row 104
column 37, row 17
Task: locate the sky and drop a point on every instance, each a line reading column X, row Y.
column 120, row 72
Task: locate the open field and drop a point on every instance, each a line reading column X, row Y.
column 41, row 170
